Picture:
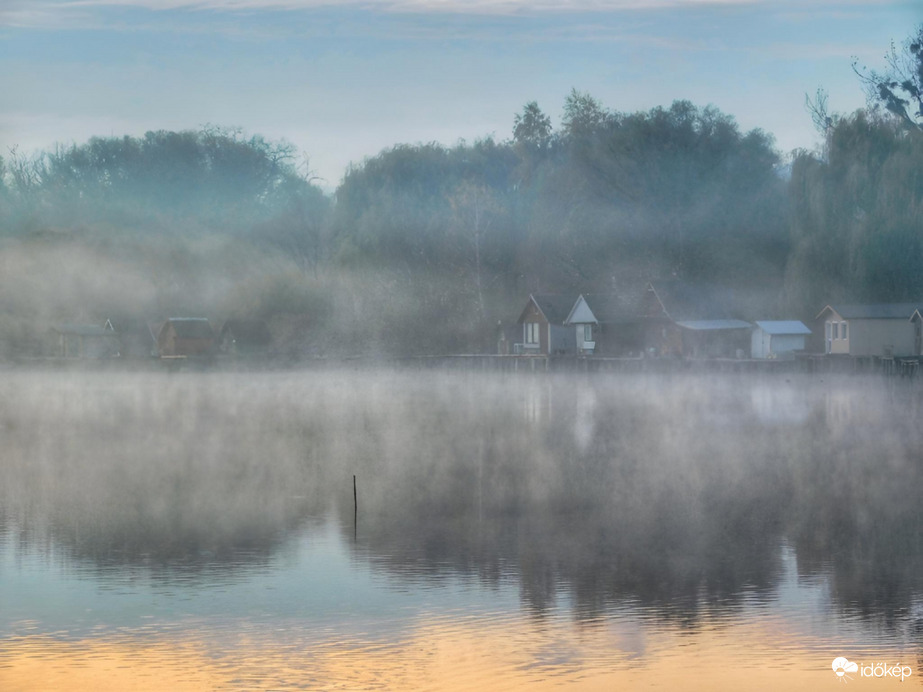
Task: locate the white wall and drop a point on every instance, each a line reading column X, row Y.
column 759, row 344
column 786, row 343
column 763, row 344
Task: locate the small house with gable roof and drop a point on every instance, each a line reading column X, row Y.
column 880, row 329
column 136, row 336
column 85, row 341
column 185, row 336
column 544, row 331
column 684, row 319
column 606, row 324
column 585, row 324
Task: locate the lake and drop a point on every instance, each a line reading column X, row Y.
column 197, row 531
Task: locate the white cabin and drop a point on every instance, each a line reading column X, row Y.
column 584, row 323
column 777, row 338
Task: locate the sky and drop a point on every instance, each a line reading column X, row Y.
column 344, row 79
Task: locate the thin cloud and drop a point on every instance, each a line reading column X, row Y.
column 498, row 7
column 455, row 6
column 22, row 15
column 802, row 52
column 64, row 13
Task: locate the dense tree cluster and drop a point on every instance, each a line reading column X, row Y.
column 162, row 182
column 673, row 191
column 857, row 215
column 427, row 246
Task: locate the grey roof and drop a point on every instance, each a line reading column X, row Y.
column 191, row 327
column 554, row 307
column 574, row 317
column 693, row 302
column 782, row 327
column 875, row 311
column 129, row 325
column 711, row 325
column 83, row 330
column 613, row 307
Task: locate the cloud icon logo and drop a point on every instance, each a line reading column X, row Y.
column 841, row 666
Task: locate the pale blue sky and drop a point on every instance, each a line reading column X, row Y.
column 343, row 80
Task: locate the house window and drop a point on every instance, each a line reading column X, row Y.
column 829, row 326
column 844, row 334
column 588, row 332
column 532, row 333
column 835, row 326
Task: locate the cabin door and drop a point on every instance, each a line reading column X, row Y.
column 828, row 341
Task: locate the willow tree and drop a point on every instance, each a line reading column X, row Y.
column 856, row 215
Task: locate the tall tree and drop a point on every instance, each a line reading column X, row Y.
column 583, row 114
column 531, row 129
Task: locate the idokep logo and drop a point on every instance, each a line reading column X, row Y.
column 843, row 666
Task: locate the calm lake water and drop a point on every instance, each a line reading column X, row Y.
column 198, row 531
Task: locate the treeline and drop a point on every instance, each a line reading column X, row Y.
column 172, row 223
column 857, row 205
column 607, row 202
column 164, row 182
column 612, row 200
column 425, row 247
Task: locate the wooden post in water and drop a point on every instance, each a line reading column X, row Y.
column 355, row 509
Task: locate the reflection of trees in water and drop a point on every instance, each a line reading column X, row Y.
column 656, row 507
column 857, row 481
column 674, row 493
column 680, row 501
column 157, row 471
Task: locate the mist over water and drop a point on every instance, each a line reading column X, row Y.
column 632, row 508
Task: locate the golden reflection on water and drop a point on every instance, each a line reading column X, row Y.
column 451, row 653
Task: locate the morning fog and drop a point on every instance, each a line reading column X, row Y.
column 616, row 511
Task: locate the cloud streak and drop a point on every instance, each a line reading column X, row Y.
column 63, row 13
column 41, row 11
column 454, row 6
column 346, row 78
